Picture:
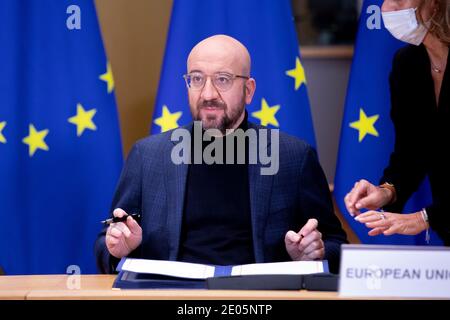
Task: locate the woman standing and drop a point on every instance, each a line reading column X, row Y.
column 420, row 111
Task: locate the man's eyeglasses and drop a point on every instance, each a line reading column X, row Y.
column 223, row 81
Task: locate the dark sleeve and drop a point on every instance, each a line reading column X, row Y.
column 439, row 220
column 316, row 202
column 127, row 197
column 406, row 168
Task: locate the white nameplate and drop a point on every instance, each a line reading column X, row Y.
column 394, row 271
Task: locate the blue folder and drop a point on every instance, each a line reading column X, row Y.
column 134, row 280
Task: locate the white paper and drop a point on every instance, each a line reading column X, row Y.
column 290, row 267
column 202, row 271
column 169, row 268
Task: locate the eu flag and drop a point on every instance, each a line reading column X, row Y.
column 367, row 133
column 266, row 28
column 60, row 150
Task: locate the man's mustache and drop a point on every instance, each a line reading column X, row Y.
column 212, row 104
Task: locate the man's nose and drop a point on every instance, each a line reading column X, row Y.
column 209, row 91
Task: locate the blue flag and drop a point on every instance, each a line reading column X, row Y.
column 367, row 132
column 60, row 149
column 266, row 28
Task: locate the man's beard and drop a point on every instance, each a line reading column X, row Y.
column 221, row 122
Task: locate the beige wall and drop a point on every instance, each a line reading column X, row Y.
column 134, row 33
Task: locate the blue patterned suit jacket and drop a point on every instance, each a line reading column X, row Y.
column 153, row 185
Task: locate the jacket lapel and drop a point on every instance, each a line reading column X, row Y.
column 176, row 176
column 260, row 194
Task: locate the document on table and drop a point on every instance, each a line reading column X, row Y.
column 203, row 271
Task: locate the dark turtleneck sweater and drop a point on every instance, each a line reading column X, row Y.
column 216, row 225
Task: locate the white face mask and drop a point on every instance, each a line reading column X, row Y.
column 403, row 25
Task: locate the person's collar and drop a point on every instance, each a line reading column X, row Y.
column 244, row 124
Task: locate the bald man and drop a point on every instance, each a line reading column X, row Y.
column 221, row 213
column 220, row 109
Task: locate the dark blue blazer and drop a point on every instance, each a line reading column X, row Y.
column 153, row 185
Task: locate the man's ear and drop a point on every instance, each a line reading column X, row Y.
column 250, row 87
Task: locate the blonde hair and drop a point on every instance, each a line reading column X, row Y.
column 440, row 20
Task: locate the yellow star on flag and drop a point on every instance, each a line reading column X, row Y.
column 365, row 125
column 108, row 77
column 298, row 73
column 2, row 137
column 83, row 119
column 35, row 140
column 168, row 121
column 267, row 114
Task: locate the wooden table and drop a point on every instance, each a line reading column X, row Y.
column 99, row 287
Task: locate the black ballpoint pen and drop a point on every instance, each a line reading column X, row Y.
column 135, row 216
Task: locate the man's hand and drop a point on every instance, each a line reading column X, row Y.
column 307, row 244
column 366, row 195
column 123, row 237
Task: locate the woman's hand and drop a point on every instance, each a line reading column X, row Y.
column 366, row 195
column 389, row 223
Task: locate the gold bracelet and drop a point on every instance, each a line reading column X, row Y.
column 390, row 187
